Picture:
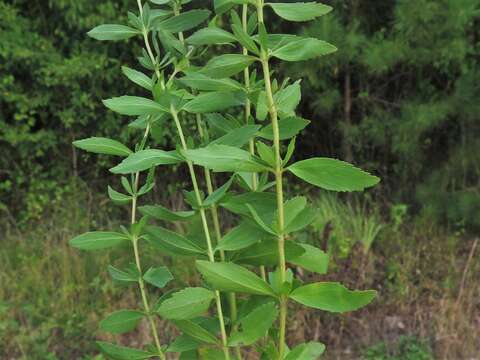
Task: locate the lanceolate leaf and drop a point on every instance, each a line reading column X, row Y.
column 196, row 331
column 266, row 253
column 121, row 321
column 238, row 137
column 186, row 304
column 118, row 197
column 130, row 275
column 300, row 11
column 313, row 259
column 101, row 145
column 227, row 276
column 96, row 240
column 184, row 21
column 123, row 353
column 308, row 351
column 332, row 174
column 134, row 105
column 254, row 325
column 240, row 237
column 211, row 36
column 159, row 276
column 161, row 213
column 227, row 65
column 288, row 128
column 303, row 49
column 225, row 158
column 145, row 159
column 138, row 78
column 112, row 32
column 331, row 296
column 182, row 344
column 200, row 81
column 214, row 101
column 171, row 242
column 218, row 194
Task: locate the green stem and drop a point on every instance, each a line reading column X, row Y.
column 141, row 283
column 206, row 231
column 278, row 186
column 232, row 301
column 247, row 112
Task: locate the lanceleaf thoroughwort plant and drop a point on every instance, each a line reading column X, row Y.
column 243, row 112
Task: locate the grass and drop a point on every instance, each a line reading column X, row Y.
column 52, row 297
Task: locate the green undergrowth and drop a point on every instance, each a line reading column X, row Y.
column 51, row 298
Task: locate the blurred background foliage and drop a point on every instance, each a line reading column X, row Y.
column 399, row 98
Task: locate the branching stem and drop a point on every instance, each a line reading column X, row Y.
column 141, row 283
column 206, row 231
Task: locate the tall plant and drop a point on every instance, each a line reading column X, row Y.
column 182, row 87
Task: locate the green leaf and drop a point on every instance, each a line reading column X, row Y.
column 118, row 197
column 171, row 242
column 288, row 128
column 227, row 65
column 221, row 123
column 218, row 194
column 240, row 237
column 223, row 158
column 96, row 240
column 159, row 276
column 122, row 352
column 290, row 150
column 297, row 214
column 303, row 49
column 224, row 5
column 112, row 32
column 293, row 207
column 134, row 105
column 138, row 78
column 161, row 213
column 186, row 304
column 145, row 159
column 307, row 351
column 300, row 11
column 227, row 276
column 200, row 81
column 244, row 39
column 266, row 153
column 238, row 137
column 196, row 331
column 121, row 321
column 262, row 202
column 266, row 253
column 124, row 276
column 101, row 145
column 213, row 101
column 182, row 344
column 331, row 296
column 254, row 325
column 287, row 99
column 184, row 21
column 332, row 174
column 313, row 259
column 260, row 222
column 211, row 36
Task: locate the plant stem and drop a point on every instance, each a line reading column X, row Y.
column 232, row 301
column 147, row 42
column 141, row 283
column 247, row 112
column 279, row 188
column 206, row 231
